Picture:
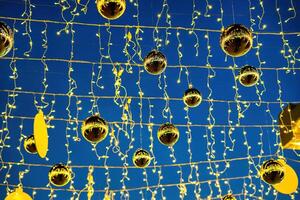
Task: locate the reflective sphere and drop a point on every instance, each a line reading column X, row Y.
column 272, row 171
column 229, row 197
column 18, row 194
column 141, row 158
column 155, row 63
column 59, row 175
column 192, row 97
column 111, row 9
column 29, row 145
column 94, row 129
column 249, row 76
column 236, row 40
column 168, row 134
column 6, row 39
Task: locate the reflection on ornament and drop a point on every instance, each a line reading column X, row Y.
column 168, row 134
column 155, row 62
column 94, row 129
column 40, row 133
column 192, row 97
column 141, row 158
column 18, row 194
column 248, row 76
column 272, row 171
column 6, row 39
column 236, row 40
column 59, row 175
column 29, row 145
column 111, row 9
column 229, row 197
column 289, row 184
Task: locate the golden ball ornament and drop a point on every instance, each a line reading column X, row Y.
column 168, row 134
column 59, row 175
column 272, row 171
column 94, row 129
column 249, row 76
column 228, row 197
column 236, row 40
column 192, row 97
column 6, row 39
column 18, row 194
column 141, row 158
column 155, row 62
column 111, row 9
column 29, row 145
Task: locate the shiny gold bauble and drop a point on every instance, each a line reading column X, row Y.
column 111, row 9
column 6, row 39
column 229, row 197
column 94, row 129
column 18, row 194
column 236, row 40
column 272, row 171
column 192, row 97
column 59, row 175
column 155, row 63
column 248, row 76
column 168, row 134
column 29, row 145
column 141, row 158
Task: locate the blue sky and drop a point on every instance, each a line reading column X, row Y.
column 86, row 69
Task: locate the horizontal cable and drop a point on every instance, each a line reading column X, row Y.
column 135, row 26
column 134, row 64
column 137, row 188
column 151, row 166
column 154, row 124
column 144, row 97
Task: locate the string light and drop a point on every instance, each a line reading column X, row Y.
column 122, row 133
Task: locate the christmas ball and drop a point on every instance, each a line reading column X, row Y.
column 168, row 134
column 236, row 40
column 192, row 97
column 248, row 76
column 155, row 63
column 141, row 158
column 18, row 194
column 59, row 175
column 29, row 145
column 6, row 39
column 111, row 9
column 272, row 171
column 229, row 197
column 94, row 129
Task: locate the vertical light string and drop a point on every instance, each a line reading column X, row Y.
column 195, row 15
column 208, row 7
column 27, row 15
column 252, row 20
column 261, row 63
column 261, row 26
column 22, row 137
column 84, row 6
column 65, row 6
column 7, row 176
column 220, row 19
column 286, row 51
column 291, row 9
column 279, row 151
column 46, row 69
column 210, row 136
column 11, row 102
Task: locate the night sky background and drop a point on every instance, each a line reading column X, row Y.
column 71, row 82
